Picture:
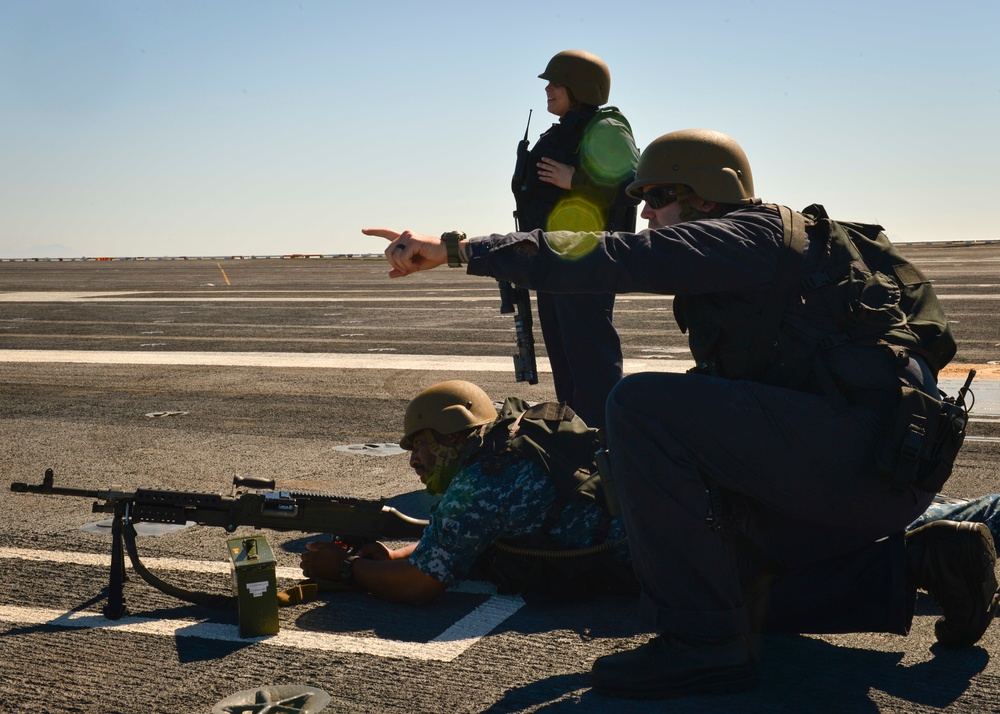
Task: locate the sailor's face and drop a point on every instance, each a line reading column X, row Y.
column 556, row 99
column 421, row 458
column 667, row 211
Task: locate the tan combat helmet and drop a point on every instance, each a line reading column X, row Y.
column 711, row 163
column 447, row 408
column 584, row 73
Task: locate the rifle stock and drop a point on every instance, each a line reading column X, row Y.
column 353, row 521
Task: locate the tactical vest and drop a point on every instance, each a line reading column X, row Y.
column 559, row 441
column 536, row 198
column 554, row 437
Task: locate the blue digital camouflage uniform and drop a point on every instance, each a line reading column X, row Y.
column 479, row 509
column 985, row 509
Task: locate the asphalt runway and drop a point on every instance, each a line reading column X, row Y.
column 181, row 373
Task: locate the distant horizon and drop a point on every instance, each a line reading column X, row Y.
column 227, row 256
column 372, row 255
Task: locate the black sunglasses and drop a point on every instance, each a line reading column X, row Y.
column 659, row 196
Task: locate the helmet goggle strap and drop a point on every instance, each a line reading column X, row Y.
column 688, row 213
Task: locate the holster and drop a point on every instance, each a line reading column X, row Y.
column 923, row 438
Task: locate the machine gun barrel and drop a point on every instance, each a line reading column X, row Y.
column 48, row 487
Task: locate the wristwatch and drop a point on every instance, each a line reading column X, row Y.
column 450, row 240
column 346, row 572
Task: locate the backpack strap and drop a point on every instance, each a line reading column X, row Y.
column 784, row 284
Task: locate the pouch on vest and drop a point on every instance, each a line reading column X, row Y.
column 924, row 437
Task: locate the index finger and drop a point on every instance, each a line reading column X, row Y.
column 386, row 233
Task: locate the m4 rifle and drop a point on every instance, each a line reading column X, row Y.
column 515, row 299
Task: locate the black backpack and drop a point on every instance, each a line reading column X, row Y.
column 877, row 298
column 876, row 293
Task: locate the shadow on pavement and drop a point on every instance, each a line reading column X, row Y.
column 795, row 673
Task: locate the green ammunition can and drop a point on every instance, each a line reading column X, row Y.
column 255, row 585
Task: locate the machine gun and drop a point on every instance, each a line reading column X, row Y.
column 517, row 298
column 352, row 521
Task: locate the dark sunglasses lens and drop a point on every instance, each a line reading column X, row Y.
column 659, row 197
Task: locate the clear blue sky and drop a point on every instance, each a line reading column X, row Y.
column 242, row 128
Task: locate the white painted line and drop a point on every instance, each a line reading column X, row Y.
column 445, row 647
column 323, row 360
column 425, row 296
column 946, row 296
column 104, row 561
column 144, row 296
column 185, row 566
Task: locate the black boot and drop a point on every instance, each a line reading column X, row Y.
column 954, row 563
column 676, row 666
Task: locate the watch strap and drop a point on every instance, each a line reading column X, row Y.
column 451, row 240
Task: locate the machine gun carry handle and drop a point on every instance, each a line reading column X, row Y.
column 265, row 484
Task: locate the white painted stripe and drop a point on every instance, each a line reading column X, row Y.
column 445, row 647
column 425, row 296
column 142, row 296
column 324, row 360
column 98, row 560
column 978, row 296
column 183, row 566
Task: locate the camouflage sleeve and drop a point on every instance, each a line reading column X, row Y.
column 476, row 510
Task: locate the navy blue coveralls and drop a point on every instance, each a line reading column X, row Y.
column 583, row 347
column 802, row 473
